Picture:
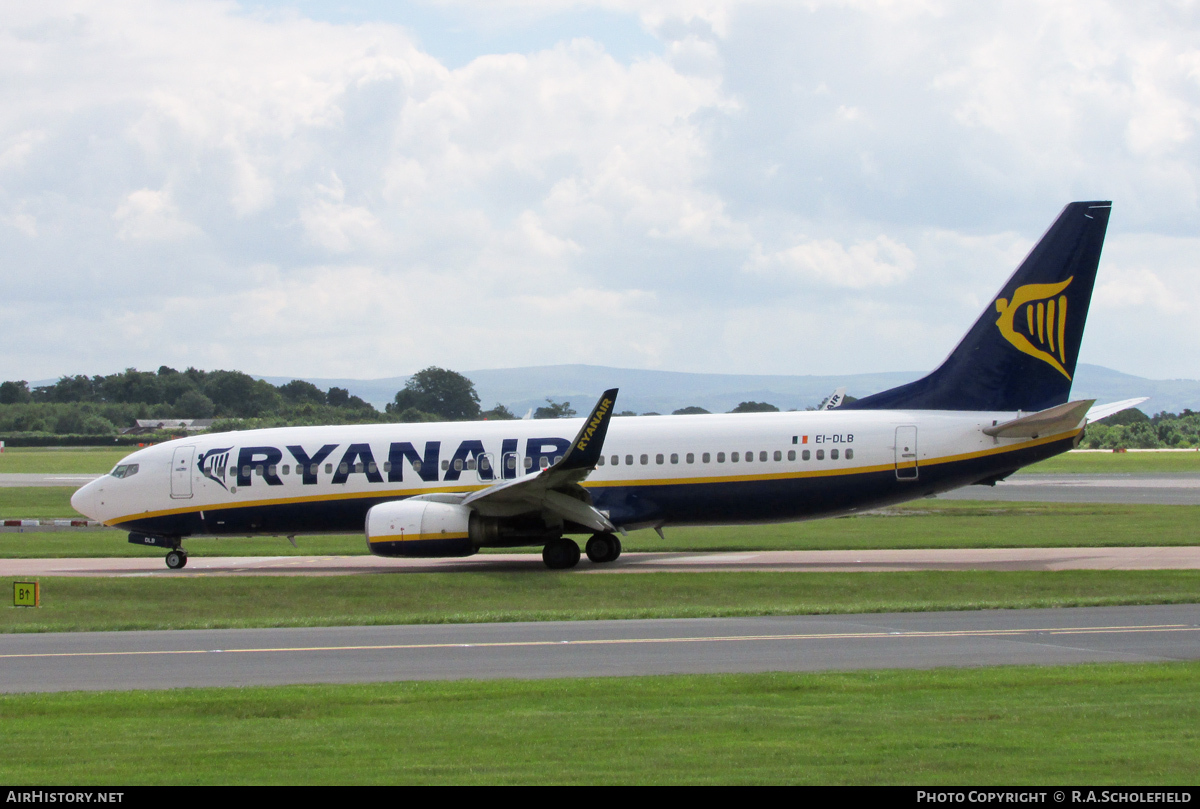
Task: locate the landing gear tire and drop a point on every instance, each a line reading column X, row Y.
column 560, row 554
column 177, row 560
column 603, row 548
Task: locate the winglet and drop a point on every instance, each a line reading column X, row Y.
column 585, row 450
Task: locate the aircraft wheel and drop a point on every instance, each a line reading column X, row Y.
column 560, row 554
column 603, row 548
column 176, row 560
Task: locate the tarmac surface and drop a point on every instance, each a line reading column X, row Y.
column 1131, row 558
column 242, row 657
column 1162, row 490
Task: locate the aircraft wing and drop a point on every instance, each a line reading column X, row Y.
column 1104, row 411
column 556, row 488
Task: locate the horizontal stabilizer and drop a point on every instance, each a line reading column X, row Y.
column 1104, row 411
column 1058, row 419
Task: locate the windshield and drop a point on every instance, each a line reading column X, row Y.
column 125, row 470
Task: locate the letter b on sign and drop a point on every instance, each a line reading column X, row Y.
column 27, row 594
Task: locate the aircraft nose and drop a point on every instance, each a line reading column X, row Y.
column 84, row 500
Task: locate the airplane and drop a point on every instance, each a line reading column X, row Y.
column 1000, row 401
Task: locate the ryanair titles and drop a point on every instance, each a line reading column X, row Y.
column 338, row 463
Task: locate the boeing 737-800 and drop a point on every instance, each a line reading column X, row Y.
column 999, row 402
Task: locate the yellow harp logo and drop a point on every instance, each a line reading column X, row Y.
column 1044, row 320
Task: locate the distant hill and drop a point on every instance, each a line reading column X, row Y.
column 663, row 391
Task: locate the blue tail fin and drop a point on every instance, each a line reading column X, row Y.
column 1020, row 354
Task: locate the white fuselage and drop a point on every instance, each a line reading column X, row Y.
column 704, row 469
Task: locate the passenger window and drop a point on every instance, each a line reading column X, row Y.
column 691, row 457
column 658, row 459
column 372, row 468
column 820, row 455
column 629, row 460
column 528, row 462
column 557, row 458
column 271, row 470
column 387, row 466
column 458, row 464
column 833, row 454
column 645, row 459
column 849, row 454
column 485, row 465
column 616, row 460
column 471, row 464
column 358, row 467
column 600, row 461
column 329, row 469
column 258, row 470
column 762, row 456
column 806, row 455
column 343, row 468
column 778, row 455
column 674, row 457
column 705, row 458
column 544, row 463
column 416, row 466
column 312, row 470
column 445, row 466
column 750, row 456
column 791, row 454
column 733, row 457
column 510, row 462
column 721, row 457
column 287, row 469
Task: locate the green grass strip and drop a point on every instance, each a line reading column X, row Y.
column 1093, row 724
column 88, row 604
column 94, row 461
column 1117, row 463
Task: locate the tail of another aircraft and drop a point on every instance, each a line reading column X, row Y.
column 1021, row 353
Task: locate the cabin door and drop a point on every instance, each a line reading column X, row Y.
column 181, row 472
column 906, row 453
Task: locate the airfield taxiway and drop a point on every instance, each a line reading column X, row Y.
column 1126, row 558
column 240, row 657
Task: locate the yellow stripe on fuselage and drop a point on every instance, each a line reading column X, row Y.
column 401, row 493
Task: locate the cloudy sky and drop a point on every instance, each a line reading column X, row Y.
column 363, row 189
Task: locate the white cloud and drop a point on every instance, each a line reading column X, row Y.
column 148, row 215
column 878, row 262
column 329, row 199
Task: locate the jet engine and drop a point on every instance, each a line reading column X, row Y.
column 428, row 528
column 420, row 528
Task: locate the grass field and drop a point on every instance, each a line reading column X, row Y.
column 73, row 460
column 87, row 604
column 924, row 524
column 1094, row 724
column 1117, row 463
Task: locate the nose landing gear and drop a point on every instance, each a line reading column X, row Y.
column 177, row 559
column 176, row 556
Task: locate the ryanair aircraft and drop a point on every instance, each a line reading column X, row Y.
column 999, row 402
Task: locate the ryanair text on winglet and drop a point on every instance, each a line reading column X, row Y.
column 597, row 419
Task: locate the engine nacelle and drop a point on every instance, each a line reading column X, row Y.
column 420, row 528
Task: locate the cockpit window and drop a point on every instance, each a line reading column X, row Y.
column 125, row 470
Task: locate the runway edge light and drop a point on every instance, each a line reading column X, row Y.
column 27, row 594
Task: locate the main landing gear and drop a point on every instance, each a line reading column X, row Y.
column 563, row 553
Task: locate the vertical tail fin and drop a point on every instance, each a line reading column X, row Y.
column 1021, row 353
